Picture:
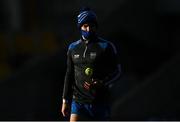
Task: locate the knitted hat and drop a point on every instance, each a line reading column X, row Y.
column 86, row 16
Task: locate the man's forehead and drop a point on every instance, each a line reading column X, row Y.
column 89, row 24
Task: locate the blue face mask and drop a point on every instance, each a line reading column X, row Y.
column 87, row 34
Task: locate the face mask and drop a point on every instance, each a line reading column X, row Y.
column 87, row 34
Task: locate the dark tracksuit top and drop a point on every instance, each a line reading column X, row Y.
column 100, row 56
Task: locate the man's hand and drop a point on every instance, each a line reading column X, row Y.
column 86, row 85
column 94, row 84
column 65, row 110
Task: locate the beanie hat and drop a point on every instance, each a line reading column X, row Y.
column 86, row 16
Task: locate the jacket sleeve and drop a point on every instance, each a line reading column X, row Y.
column 69, row 78
column 113, row 64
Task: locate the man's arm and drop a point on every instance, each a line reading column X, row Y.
column 114, row 70
column 68, row 82
column 109, row 69
column 69, row 77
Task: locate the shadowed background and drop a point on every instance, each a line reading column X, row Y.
column 34, row 35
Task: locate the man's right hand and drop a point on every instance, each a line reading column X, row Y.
column 65, row 110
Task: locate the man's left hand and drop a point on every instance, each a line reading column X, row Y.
column 94, row 84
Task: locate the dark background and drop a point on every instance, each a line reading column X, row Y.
column 34, row 35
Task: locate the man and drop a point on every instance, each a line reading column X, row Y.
column 91, row 67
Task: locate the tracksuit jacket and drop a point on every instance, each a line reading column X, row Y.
column 98, row 55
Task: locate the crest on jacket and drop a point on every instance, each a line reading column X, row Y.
column 92, row 55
